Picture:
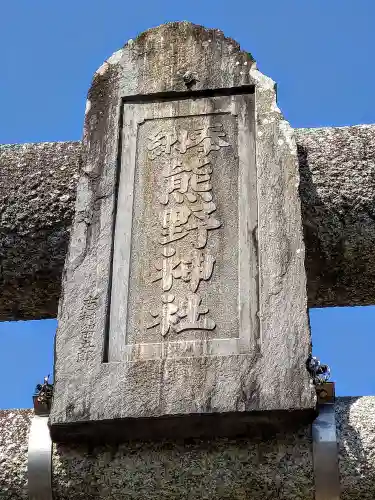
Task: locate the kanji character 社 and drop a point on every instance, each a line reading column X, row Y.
column 191, row 316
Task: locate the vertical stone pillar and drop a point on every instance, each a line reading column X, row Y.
column 184, row 293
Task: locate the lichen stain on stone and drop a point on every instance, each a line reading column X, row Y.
column 101, row 95
column 160, row 54
column 76, row 413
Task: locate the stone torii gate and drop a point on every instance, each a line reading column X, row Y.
column 188, row 181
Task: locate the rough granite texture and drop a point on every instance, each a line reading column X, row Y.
column 37, row 194
column 221, row 469
column 263, row 366
column 14, row 430
column 337, row 169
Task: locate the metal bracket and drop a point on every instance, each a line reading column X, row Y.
column 325, row 450
column 40, row 447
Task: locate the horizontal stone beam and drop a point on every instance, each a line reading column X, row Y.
column 337, row 168
column 37, row 195
column 278, row 468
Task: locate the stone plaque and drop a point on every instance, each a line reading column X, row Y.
column 183, row 308
column 184, row 276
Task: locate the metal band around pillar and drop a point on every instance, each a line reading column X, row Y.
column 40, row 446
column 40, row 460
column 325, row 450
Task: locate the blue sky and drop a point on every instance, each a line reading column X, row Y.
column 320, row 52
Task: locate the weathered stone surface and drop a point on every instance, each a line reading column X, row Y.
column 108, row 367
column 337, row 169
column 37, row 193
column 337, row 195
column 14, row 432
column 355, row 419
column 224, row 469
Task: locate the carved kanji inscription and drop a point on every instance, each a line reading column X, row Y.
column 189, row 206
column 208, row 138
column 182, row 284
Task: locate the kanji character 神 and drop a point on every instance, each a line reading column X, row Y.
column 194, row 268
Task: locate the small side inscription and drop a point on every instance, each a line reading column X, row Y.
column 87, row 319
